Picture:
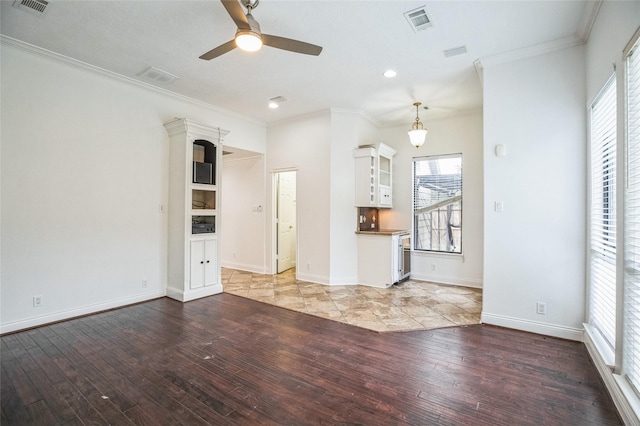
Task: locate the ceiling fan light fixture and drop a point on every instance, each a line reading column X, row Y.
column 248, row 41
column 417, row 133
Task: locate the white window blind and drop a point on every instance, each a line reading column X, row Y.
column 631, row 328
column 602, row 297
column 437, row 203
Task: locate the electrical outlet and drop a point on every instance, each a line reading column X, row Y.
column 37, row 301
column 144, row 284
column 433, row 267
column 541, row 308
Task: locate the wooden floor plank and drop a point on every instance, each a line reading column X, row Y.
column 226, row 360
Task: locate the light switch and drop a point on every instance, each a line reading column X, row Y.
column 499, row 206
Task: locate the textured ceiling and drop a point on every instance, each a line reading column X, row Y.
column 361, row 39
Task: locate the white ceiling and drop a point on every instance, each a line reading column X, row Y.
column 361, row 39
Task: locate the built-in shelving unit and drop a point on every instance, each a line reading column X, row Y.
column 374, row 176
column 194, row 224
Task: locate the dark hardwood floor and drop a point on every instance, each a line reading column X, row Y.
column 229, row 360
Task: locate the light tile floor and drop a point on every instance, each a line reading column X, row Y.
column 410, row 305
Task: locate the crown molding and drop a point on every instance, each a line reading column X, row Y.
column 580, row 37
column 531, row 51
column 6, row 41
column 362, row 114
column 326, row 113
column 587, row 19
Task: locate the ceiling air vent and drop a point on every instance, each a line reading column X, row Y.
column 418, row 19
column 455, row 51
column 155, row 75
column 36, row 7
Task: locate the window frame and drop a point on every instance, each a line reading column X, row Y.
column 603, row 224
column 630, row 243
column 415, row 229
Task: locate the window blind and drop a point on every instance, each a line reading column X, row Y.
column 602, row 297
column 631, row 328
column 437, row 203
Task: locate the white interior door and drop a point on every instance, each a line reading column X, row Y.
column 286, row 220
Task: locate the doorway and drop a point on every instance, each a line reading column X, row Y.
column 285, row 219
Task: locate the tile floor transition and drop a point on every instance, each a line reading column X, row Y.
column 411, row 305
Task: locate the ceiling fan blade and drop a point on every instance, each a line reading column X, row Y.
column 237, row 14
column 220, row 50
column 291, row 45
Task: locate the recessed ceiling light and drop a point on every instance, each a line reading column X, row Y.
column 390, row 73
column 273, row 105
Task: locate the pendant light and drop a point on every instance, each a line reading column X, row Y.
column 417, row 132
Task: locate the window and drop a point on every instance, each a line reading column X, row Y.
column 631, row 327
column 602, row 257
column 437, row 203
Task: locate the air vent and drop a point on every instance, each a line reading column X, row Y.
column 155, row 75
column 275, row 102
column 455, row 51
column 36, row 7
column 418, row 19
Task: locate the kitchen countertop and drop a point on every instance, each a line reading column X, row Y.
column 384, row 232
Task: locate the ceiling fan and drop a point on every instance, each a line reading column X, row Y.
column 250, row 38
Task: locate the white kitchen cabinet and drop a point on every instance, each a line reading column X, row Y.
column 195, row 154
column 384, row 257
column 374, row 176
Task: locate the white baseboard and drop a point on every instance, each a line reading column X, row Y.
column 318, row 279
column 443, row 279
column 77, row 312
column 613, row 382
column 186, row 296
column 563, row 332
column 258, row 269
column 344, row 280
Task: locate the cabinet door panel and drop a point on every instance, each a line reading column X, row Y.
column 385, row 196
column 210, row 261
column 197, row 264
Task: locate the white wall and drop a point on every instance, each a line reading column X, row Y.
column 84, row 172
column 535, row 250
column 349, row 129
column 242, row 237
column 303, row 144
column 457, row 134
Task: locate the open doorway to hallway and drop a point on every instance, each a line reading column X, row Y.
column 285, row 220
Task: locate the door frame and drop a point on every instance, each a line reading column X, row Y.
column 274, row 217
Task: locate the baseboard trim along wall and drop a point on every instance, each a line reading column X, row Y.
column 256, row 269
column 344, row 280
column 78, row 312
column 443, row 279
column 563, row 332
column 318, row 279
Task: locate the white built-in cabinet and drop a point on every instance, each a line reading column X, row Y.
column 379, row 258
column 195, row 160
column 374, row 176
column 204, row 264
